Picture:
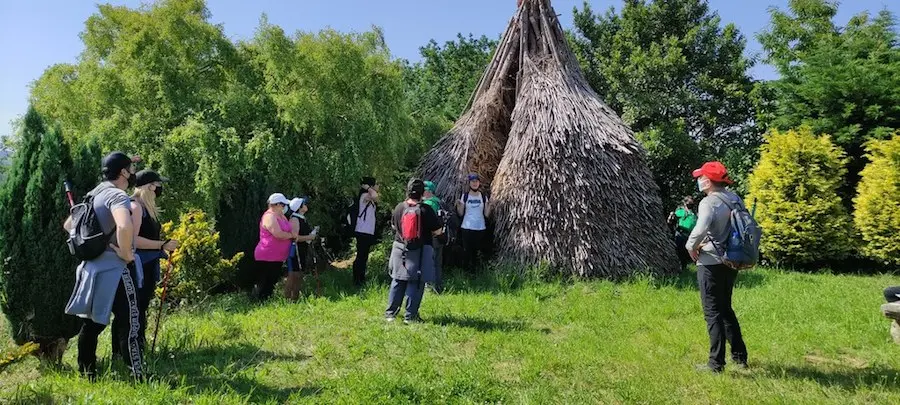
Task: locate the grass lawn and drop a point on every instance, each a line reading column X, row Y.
column 812, row 339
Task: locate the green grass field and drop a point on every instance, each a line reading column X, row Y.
column 812, row 339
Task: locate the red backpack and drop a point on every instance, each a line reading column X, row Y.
column 411, row 226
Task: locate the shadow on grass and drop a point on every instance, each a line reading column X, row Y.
column 483, row 325
column 849, row 379
column 228, row 369
column 688, row 280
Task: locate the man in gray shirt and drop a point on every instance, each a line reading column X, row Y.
column 106, row 284
column 706, row 245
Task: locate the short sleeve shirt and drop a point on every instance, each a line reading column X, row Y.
column 106, row 200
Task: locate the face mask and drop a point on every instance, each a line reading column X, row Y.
column 286, row 209
column 158, row 191
column 702, row 184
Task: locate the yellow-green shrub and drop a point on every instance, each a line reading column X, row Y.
column 795, row 186
column 197, row 266
column 877, row 202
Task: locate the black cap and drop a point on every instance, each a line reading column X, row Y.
column 145, row 177
column 415, row 188
column 369, row 181
column 114, row 163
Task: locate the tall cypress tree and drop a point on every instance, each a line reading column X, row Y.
column 36, row 271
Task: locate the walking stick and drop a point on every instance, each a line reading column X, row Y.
column 68, row 187
column 162, row 301
column 315, row 258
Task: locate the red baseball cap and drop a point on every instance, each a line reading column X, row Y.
column 714, row 171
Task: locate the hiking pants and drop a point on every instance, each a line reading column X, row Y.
column 127, row 319
column 473, row 243
column 268, row 274
column 890, row 294
column 684, row 257
column 145, row 294
column 413, row 289
column 716, row 284
column 364, row 243
column 438, row 283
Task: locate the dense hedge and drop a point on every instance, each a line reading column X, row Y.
column 795, row 186
column 877, row 202
column 36, row 269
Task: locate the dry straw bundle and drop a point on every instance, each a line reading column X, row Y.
column 570, row 184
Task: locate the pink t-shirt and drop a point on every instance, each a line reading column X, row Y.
column 270, row 248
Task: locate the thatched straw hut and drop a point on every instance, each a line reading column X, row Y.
column 569, row 182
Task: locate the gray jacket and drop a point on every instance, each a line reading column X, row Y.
column 96, row 282
column 418, row 264
column 713, row 227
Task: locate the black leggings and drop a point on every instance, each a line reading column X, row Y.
column 364, row 243
column 145, row 294
column 268, row 274
column 125, row 309
column 473, row 242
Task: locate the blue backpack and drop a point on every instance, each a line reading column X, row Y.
column 741, row 250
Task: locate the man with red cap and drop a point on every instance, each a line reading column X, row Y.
column 706, row 245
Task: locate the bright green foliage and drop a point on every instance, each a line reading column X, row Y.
column 795, row 186
column 671, row 69
column 877, row 214
column 839, row 80
column 36, row 270
column 438, row 87
column 230, row 123
column 445, row 79
column 197, row 265
column 672, row 155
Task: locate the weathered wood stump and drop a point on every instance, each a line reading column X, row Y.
column 892, row 311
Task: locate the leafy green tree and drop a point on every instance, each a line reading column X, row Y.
column 36, row 269
column 228, row 122
column 877, row 202
column 837, row 80
column 439, row 86
column 674, row 73
column 794, row 186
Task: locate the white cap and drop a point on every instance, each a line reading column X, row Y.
column 278, row 198
column 296, row 204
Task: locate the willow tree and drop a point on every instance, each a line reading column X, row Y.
column 570, row 184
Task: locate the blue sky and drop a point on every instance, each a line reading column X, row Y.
column 35, row 34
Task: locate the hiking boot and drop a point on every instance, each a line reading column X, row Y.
column 705, row 368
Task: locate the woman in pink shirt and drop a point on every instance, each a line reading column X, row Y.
column 274, row 245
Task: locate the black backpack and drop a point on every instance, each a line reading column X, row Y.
column 87, row 241
column 353, row 213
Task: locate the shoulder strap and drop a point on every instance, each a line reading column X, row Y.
column 724, row 200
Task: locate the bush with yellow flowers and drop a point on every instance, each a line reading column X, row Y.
column 197, row 265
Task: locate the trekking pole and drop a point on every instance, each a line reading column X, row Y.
column 162, row 301
column 68, row 187
column 315, row 258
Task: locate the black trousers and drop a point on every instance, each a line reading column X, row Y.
column 145, row 294
column 473, row 242
column 364, row 243
column 716, row 286
column 268, row 274
column 127, row 314
column 890, row 294
column 684, row 257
